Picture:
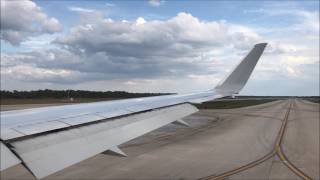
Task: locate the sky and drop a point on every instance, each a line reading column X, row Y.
column 157, row 45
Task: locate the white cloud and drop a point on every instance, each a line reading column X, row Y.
column 293, row 50
column 38, row 42
column 110, row 4
column 101, row 48
column 291, row 71
column 140, row 21
column 305, row 22
column 156, row 3
column 80, row 9
column 182, row 53
column 30, row 73
column 178, row 34
column 23, row 19
column 297, row 60
column 130, row 83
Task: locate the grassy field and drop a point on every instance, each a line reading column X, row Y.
column 231, row 104
column 314, row 100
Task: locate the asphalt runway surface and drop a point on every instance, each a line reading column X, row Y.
column 276, row 140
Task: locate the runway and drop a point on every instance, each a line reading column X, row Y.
column 277, row 140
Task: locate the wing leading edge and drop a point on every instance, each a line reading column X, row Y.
column 48, row 139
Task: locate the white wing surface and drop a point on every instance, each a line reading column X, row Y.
column 49, row 139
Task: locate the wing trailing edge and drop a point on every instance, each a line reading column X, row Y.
column 47, row 154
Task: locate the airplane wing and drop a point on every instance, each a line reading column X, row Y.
column 48, row 139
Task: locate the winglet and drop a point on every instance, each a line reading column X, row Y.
column 236, row 80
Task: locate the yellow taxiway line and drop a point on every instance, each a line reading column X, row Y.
column 277, row 150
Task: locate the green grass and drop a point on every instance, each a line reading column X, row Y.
column 314, row 100
column 229, row 104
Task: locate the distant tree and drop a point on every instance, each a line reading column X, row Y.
column 47, row 93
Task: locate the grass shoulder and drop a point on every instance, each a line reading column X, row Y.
column 229, row 104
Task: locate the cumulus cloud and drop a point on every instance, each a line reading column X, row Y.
column 293, row 51
column 176, row 54
column 101, row 48
column 182, row 34
column 154, row 54
column 23, row 19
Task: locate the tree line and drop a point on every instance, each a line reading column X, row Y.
column 47, row 93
